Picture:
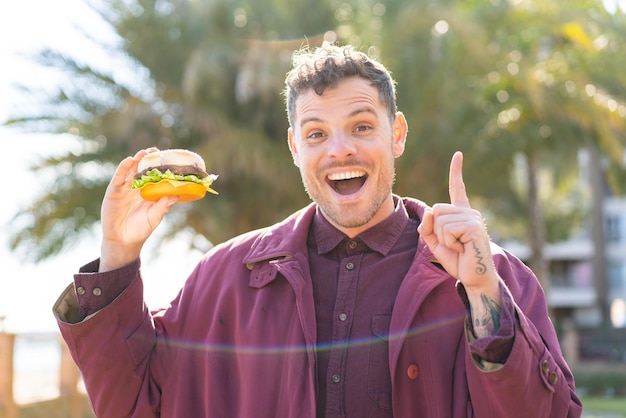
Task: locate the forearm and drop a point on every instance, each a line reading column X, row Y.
column 115, row 255
column 485, row 308
column 521, row 388
column 520, row 370
column 110, row 348
column 92, row 291
column 516, row 373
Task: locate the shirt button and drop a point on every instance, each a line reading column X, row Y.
column 80, row 290
column 343, row 316
column 350, row 266
column 336, row 378
column 97, row 291
column 352, row 245
column 412, row 371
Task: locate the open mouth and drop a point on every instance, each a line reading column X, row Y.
column 347, row 183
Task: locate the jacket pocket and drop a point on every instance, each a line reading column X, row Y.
column 379, row 377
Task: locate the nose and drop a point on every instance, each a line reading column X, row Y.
column 341, row 146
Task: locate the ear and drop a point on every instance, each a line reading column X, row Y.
column 292, row 146
column 400, row 130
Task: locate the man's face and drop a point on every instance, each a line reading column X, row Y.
column 345, row 145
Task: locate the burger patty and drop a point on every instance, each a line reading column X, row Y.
column 181, row 170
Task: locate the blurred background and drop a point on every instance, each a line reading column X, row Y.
column 532, row 91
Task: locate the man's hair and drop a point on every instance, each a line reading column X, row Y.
column 326, row 66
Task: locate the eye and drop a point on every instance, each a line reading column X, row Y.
column 315, row 135
column 362, row 127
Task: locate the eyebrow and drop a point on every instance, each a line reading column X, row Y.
column 310, row 119
column 364, row 109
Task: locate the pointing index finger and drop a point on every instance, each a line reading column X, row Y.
column 458, row 195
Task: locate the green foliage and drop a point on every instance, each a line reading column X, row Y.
column 500, row 80
column 599, row 406
column 496, row 79
column 601, row 384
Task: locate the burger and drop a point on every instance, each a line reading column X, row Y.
column 173, row 172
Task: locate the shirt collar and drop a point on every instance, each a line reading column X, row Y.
column 380, row 237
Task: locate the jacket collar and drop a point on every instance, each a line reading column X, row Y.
column 380, row 237
column 288, row 238
column 282, row 240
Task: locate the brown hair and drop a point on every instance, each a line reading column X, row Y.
column 328, row 64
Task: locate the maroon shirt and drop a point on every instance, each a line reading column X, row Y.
column 355, row 282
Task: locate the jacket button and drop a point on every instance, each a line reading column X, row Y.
column 412, row 372
column 553, row 378
column 545, row 366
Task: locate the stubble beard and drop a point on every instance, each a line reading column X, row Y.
column 351, row 216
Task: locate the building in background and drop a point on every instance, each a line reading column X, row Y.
column 572, row 295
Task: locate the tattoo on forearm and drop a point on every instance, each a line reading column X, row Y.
column 486, row 319
column 481, row 268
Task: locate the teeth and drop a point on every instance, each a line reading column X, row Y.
column 346, row 175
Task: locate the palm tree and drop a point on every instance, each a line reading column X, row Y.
column 554, row 107
column 509, row 83
column 212, row 76
column 504, row 82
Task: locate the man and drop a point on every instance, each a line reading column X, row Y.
column 363, row 304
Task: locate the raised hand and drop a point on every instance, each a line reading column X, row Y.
column 127, row 219
column 457, row 237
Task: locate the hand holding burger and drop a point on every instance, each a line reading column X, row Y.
column 128, row 218
column 173, row 172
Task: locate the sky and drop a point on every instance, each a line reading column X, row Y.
column 28, row 290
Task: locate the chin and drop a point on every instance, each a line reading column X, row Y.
column 350, row 215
